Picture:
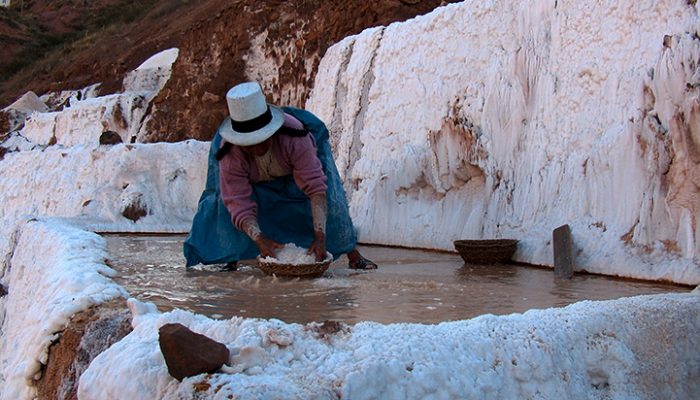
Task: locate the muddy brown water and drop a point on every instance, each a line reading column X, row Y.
column 409, row 286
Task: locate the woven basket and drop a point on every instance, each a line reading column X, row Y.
column 300, row 270
column 486, row 251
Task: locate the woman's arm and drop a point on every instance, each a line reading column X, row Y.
column 309, row 177
column 236, row 191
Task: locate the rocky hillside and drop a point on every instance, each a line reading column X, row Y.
column 72, row 44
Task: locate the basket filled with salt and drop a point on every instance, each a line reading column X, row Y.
column 490, row 251
column 294, row 261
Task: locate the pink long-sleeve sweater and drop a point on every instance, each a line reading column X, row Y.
column 293, row 155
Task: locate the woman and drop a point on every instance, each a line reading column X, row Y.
column 272, row 181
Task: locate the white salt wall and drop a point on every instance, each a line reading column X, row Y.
column 96, row 185
column 18, row 111
column 489, row 119
column 56, row 271
column 84, row 121
column 58, row 100
column 624, row 349
column 82, row 116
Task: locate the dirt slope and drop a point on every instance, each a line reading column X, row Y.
column 215, row 38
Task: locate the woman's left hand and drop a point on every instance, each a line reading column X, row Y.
column 318, row 247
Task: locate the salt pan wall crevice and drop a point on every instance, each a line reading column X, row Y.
column 283, row 67
column 56, row 271
column 493, row 119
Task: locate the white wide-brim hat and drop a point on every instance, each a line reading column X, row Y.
column 251, row 120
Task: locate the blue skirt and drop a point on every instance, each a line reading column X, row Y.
column 284, row 211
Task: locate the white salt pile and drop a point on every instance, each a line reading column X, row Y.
column 292, row 254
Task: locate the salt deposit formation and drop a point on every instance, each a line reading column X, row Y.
column 55, row 165
column 483, row 119
column 498, row 119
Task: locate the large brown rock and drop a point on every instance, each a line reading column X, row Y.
column 188, row 353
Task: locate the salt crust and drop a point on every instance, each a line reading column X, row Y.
column 163, row 59
column 501, row 119
column 627, row 348
column 56, row 271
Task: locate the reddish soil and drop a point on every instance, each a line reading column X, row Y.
column 213, row 36
column 89, row 333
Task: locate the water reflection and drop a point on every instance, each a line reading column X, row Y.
column 410, row 286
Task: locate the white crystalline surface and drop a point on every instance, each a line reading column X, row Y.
column 502, row 119
column 291, row 254
column 482, row 119
column 56, row 271
column 163, row 59
column 96, row 186
column 622, row 349
column 84, row 121
column 627, row 348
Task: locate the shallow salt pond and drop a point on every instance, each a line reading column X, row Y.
column 409, row 286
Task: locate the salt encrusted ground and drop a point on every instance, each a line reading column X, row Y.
column 538, row 115
column 640, row 347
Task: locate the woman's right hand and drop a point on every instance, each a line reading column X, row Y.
column 267, row 247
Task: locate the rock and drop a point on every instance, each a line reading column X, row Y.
column 188, row 353
column 3, row 292
column 5, row 123
column 28, row 103
column 110, row 138
column 135, row 210
column 327, row 329
column 14, row 116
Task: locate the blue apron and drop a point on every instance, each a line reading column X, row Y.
column 284, row 211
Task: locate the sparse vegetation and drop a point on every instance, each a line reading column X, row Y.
column 40, row 35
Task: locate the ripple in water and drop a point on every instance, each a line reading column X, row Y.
column 409, row 286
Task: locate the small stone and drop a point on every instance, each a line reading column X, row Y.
column 327, row 329
column 201, row 386
column 110, row 138
column 668, row 41
column 189, row 353
column 135, row 210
